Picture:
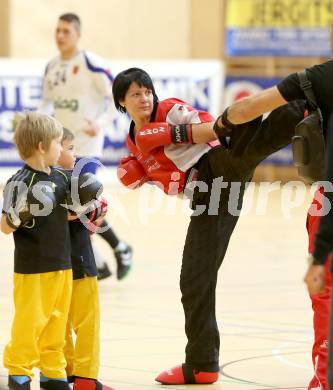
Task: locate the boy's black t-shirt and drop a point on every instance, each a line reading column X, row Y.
column 82, row 255
column 44, row 244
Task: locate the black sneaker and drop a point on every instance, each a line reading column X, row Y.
column 13, row 385
column 124, row 261
column 103, row 273
column 53, row 384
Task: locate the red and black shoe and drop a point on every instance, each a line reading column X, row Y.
column 89, row 384
column 184, row 374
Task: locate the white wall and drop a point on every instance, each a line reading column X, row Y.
column 111, row 28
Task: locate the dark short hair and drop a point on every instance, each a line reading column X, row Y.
column 67, row 135
column 71, row 18
column 123, row 81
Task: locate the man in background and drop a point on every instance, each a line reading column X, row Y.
column 77, row 88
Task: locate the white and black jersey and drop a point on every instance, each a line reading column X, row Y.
column 75, row 90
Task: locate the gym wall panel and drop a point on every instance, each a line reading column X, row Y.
column 5, row 28
column 207, row 28
column 112, row 28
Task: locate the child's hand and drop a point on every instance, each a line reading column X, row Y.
column 71, row 217
column 91, row 128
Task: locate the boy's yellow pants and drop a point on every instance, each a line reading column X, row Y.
column 84, row 317
column 42, row 304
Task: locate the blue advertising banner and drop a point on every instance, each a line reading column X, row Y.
column 199, row 83
column 17, row 93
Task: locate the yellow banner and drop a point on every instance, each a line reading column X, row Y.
column 279, row 13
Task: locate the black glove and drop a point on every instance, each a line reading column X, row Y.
column 84, row 190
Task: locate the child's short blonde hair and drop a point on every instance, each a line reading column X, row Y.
column 34, row 128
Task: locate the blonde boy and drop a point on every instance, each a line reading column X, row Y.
column 32, row 211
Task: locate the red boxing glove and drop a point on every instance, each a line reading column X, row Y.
column 131, row 173
column 157, row 134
